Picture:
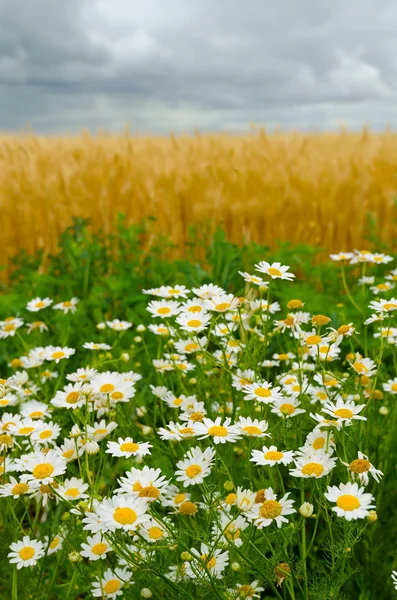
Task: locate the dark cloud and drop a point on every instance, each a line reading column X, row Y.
column 176, row 65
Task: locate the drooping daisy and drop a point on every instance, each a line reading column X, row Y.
column 95, row 548
column 36, row 325
column 213, row 560
column 271, row 510
column 275, row 270
column 287, row 408
column 67, row 305
column 352, row 502
column 364, row 366
column 253, row 279
column 195, row 466
column 271, row 456
column 26, row 552
column 360, row 468
column 53, row 545
column 38, row 304
column 219, row 432
column 127, row 447
column 73, row 489
column 312, row 464
column 344, row 411
column 249, row 590
column 125, row 512
column 262, row 392
column 253, row 427
column 43, row 467
column 111, row 584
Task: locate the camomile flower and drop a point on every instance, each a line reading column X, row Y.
column 146, row 483
column 394, row 579
column 275, row 270
column 375, row 318
column 56, row 353
column 46, row 433
column 106, row 383
column 213, row 560
column 70, row 450
column 67, row 305
column 36, row 325
column 153, row 531
column 118, row 325
column 95, row 548
column 83, row 375
column 26, row 552
column 253, row 279
column 71, row 397
column 195, row 466
column 224, row 329
column 263, row 514
column 191, row 345
column 341, row 256
column 380, row 258
column 127, row 447
column 177, row 431
column 163, row 308
column 73, row 489
column 382, row 288
column 383, row 306
column 100, row 430
column 319, row 440
column 264, row 305
column 391, row 386
column 242, row 378
column 363, row 366
column 96, row 346
column 193, row 323
column 125, row 512
column 43, row 467
column 16, row 488
column 208, row 291
column 352, row 502
column 228, row 529
column 253, row 427
column 262, row 392
column 287, row 408
column 271, row 456
column 219, row 432
column 344, row 410
column 33, row 409
column 312, row 464
column 9, row 326
column 194, row 306
column 361, row 467
column 53, row 545
column 25, row 427
column 248, row 590
column 175, row 291
column 111, row 584
column 222, row 303
column 38, row 304
column 285, row 357
column 163, row 330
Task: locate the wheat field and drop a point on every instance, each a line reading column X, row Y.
column 314, row 188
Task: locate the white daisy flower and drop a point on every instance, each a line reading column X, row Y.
column 312, row 464
column 43, row 467
column 262, row 392
column 195, row 466
column 127, row 447
column 125, row 512
column 96, row 346
column 73, row 489
column 219, row 432
column 213, row 560
column 271, row 510
column 228, row 529
column 193, row 323
column 275, row 270
column 118, row 325
column 352, row 502
column 163, row 308
column 344, row 410
column 383, row 306
column 253, row 427
column 111, row 584
column 271, row 456
column 391, row 386
column 56, row 353
column 95, row 548
column 26, row 552
column 208, row 291
column 67, row 305
column 144, row 483
column 38, row 304
column 361, row 467
column 287, row 408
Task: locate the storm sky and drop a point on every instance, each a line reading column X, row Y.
column 177, row 65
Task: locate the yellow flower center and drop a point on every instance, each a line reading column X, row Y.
column 179, row 498
column 68, row 453
column 193, row 470
column 218, row 431
column 394, row 387
column 348, row 502
column 343, row 413
column 360, row 466
column 252, row 430
column 26, row 430
column 19, row 489
column 45, row 434
column 99, row 549
column 270, row 509
column 5, row 439
column 40, row 304
column 155, row 533
column 274, row 272
column 125, row 516
column 111, row 586
column 36, row 414
column 287, row 409
column 191, row 347
column 58, row 354
column 106, row 388
column 117, row 396
column 197, row 417
column 164, row 310
column 27, row 553
column 9, row 327
column 312, row 340
column 129, row 447
column 246, row 591
column 262, row 392
column 187, row 508
column 149, row 492
column 54, row 543
column 194, row 323
column 43, row 470
column 273, row 455
column 186, row 431
column 318, row 443
column 313, row 469
column 283, row 357
column 360, row 367
column 72, row 492
column 390, row 306
column 67, row 304
column 222, row 306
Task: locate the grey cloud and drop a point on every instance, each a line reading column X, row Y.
column 177, row 65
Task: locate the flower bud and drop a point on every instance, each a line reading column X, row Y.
column 146, row 430
column 192, row 380
column 372, row 516
column 186, row 556
column 92, row 447
column 101, row 326
column 146, row 593
column 228, row 486
column 141, row 411
column 236, row 566
column 306, row 510
column 125, row 357
column 383, row 410
column 141, row 328
column 137, row 339
column 74, row 557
